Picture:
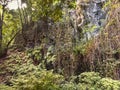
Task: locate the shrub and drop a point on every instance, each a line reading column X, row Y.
column 91, row 81
column 89, row 78
column 42, row 80
column 4, row 87
column 69, row 86
column 35, row 53
column 108, row 84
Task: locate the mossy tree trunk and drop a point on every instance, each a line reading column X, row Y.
column 1, row 24
column 1, row 29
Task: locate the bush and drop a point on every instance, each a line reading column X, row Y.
column 42, row 80
column 4, row 87
column 30, row 77
column 91, row 81
column 108, row 84
column 69, row 86
column 35, row 53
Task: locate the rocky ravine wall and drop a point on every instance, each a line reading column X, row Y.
column 91, row 13
column 104, row 52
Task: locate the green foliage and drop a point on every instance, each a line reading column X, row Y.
column 47, row 80
column 79, row 49
column 35, row 53
column 89, row 78
column 83, row 47
column 72, row 4
column 107, row 67
column 50, row 57
column 91, row 81
column 5, row 87
column 10, row 26
column 89, row 28
column 30, row 77
column 52, row 9
column 48, row 8
column 108, row 84
column 40, row 80
column 107, row 4
column 69, row 86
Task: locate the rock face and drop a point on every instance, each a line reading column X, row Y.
column 94, row 14
column 106, row 46
column 103, row 52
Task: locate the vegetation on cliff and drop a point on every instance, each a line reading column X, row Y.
column 56, row 45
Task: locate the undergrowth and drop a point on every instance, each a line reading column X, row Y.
column 27, row 76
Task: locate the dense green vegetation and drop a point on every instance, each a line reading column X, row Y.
column 30, row 77
column 42, row 46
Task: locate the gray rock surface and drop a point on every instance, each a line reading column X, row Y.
column 95, row 15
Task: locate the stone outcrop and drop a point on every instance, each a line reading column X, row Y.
column 105, row 48
column 93, row 14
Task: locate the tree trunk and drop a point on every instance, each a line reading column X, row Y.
column 1, row 24
column 0, row 33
